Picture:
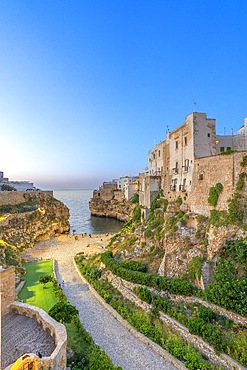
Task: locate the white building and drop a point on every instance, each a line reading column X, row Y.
column 17, row 185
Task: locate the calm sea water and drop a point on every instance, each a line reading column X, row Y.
column 80, row 218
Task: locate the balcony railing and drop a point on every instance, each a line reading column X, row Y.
column 173, row 187
column 182, row 188
column 175, row 170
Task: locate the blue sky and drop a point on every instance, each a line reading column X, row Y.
column 88, row 87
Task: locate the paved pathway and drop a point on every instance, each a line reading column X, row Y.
column 123, row 348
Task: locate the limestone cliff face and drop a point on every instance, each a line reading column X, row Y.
column 121, row 210
column 37, row 217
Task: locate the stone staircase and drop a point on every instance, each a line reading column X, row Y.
column 21, row 334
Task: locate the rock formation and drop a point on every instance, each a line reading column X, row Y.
column 34, row 216
column 121, row 210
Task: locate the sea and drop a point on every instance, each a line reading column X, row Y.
column 80, row 219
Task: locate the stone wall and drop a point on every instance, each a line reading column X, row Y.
column 7, row 287
column 17, row 197
column 57, row 360
column 207, row 173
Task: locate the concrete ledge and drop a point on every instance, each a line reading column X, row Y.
column 163, row 353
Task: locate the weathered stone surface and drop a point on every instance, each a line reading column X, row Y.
column 46, row 217
column 121, row 210
column 7, row 288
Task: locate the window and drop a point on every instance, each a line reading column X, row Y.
column 208, row 134
column 176, row 168
column 229, row 148
column 176, row 144
column 159, row 153
column 186, row 164
column 222, row 149
column 185, row 140
column 201, row 176
column 98, row 194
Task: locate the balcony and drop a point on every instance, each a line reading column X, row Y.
column 173, row 187
column 175, row 170
column 186, row 168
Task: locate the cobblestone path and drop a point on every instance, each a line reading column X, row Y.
column 123, row 348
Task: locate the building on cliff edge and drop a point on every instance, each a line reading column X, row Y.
column 190, row 161
column 16, row 185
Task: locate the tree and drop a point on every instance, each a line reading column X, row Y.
column 63, row 312
column 45, row 279
column 6, row 187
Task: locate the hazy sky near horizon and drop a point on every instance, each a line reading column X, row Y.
column 87, row 88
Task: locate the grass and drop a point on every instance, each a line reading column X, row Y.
column 33, row 292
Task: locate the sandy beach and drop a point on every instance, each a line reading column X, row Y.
column 67, row 246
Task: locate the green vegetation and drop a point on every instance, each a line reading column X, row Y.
column 227, row 152
column 200, row 325
column 173, row 285
column 195, row 268
column 9, row 255
column 240, row 183
column 33, row 292
column 147, row 324
column 87, row 355
column 18, row 208
column 6, row 187
column 134, row 265
column 63, row 312
column 244, row 161
column 45, row 279
column 137, row 213
column 214, row 194
column 227, row 290
column 135, row 199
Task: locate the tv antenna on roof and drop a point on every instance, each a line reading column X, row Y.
column 194, row 105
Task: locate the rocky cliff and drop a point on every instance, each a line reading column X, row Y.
column 34, row 216
column 121, row 210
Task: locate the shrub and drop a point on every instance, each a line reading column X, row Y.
column 63, row 312
column 195, row 268
column 244, row 161
column 134, row 265
column 135, row 198
column 137, row 213
column 6, row 187
column 100, row 361
column 173, row 285
column 214, row 194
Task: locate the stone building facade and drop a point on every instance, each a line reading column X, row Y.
column 188, row 163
